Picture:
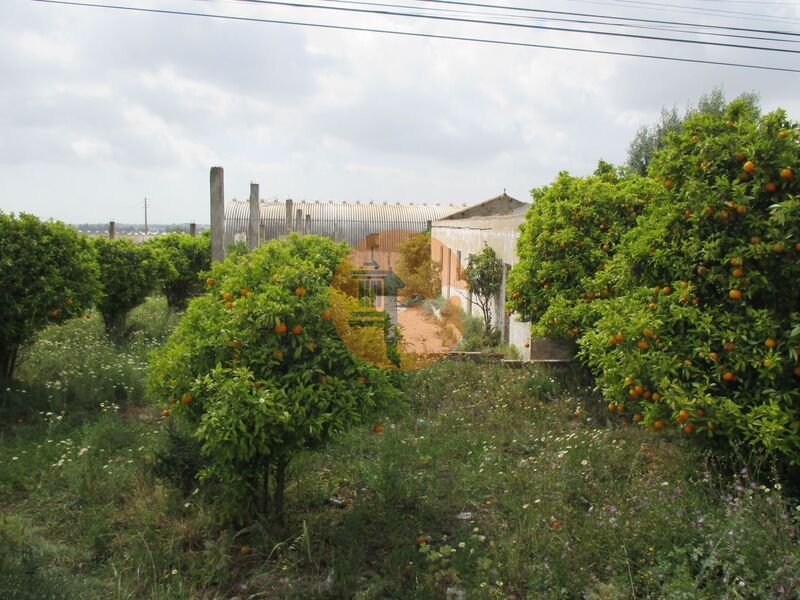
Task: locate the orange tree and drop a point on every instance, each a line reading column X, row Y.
column 704, row 333
column 258, row 372
column 571, row 230
column 48, row 274
column 183, row 259
column 128, row 273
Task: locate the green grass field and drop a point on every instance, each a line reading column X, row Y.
column 486, row 482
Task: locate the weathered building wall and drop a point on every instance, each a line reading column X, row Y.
column 454, row 240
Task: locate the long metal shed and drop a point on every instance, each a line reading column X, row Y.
column 339, row 221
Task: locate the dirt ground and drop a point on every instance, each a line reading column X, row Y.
column 422, row 332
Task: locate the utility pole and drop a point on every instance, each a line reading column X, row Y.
column 145, row 216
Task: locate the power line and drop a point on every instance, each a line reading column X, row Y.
column 596, row 16
column 638, row 36
column 417, row 35
column 531, row 17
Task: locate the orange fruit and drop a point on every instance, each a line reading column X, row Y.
column 619, row 409
column 527, row 344
column 227, row 296
column 300, row 292
column 637, row 418
column 612, row 407
column 784, row 133
column 237, row 343
column 777, row 248
column 666, row 290
column 729, row 124
column 739, row 157
column 749, row 167
column 647, row 394
column 658, row 425
column 278, row 354
column 378, row 428
column 245, row 550
column 165, row 413
column 629, row 380
column 737, row 272
column 699, row 412
column 421, row 540
column 297, row 329
column 683, row 416
column 728, row 376
column 633, row 393
column 770, row 343
column 362, row 380
column 724, row 215
column 245, row 292
column 68, row 301
column 796, row 371
column 729, row 346
column 736, row 262
column 280, row 328
column 709, row 211
column 639, row 389
column 555, row 523
column 770, row 187
column 229, row 305
column 668, row 184
column 647, row 333
column 54, row 313
column 210, row 281
column 755, row 240
column 186, row 399
column 652, row 306
column 713, row 356
column 787, row 174
column 643, row 344
column 688, row 428
column 741, row 209
column 735, row 295
column 326, row 315
column 797, row 246
column 656, row 397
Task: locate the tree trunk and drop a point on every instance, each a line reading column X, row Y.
column 265, row 489
column 8, row 360
column 280, row 478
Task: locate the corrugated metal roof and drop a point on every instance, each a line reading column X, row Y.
column 341, row 221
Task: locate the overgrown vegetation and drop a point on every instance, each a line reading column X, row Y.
column 497, row 483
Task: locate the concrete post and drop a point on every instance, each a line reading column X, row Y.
column 217, row 214
column 449, row 271
column 255, row 216
column 192, row 229
column 335, row 231
column 298, row 221
column 307, row 225
column 288, row 216
column 112, row 230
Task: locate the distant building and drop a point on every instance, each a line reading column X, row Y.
column 340, row 221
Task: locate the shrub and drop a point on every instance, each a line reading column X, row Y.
column 484, row 276
column 419, row 272
column 184, row 257
column 572, row 229
column 704, row 335
column 128, row 274
column 48, row 275
column 257, row 369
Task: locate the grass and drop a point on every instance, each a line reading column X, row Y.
column 487, row 483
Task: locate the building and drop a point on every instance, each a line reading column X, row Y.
column 495, row 223
column 341, row 221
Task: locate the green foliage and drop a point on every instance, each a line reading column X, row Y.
column 80, row 369
column 185, row 258
column 650, row 139
column 257, row 368
column 419, row 272
column 47, row 274
column 571, row 230
column 475, row 338
column 484, row 276
column 128, row 273
column 707, row 315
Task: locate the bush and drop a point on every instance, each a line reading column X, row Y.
column 704, row 334
column 184, row 257
column 419, row 272
column 572, row 229
column 258, row 370
column 48, row 275
column 128, row 274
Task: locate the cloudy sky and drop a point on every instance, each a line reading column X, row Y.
column 101, row 108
